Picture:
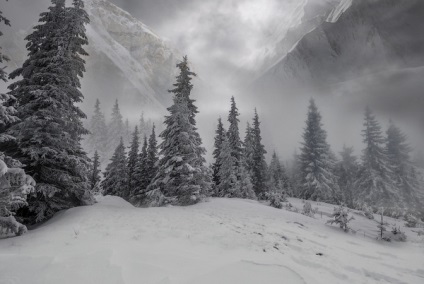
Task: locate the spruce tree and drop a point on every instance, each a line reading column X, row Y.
column 97, row 139
column 182, row 178
column 347, row 173
column 132, row 161
column 116, row 174
column 259, row 167
column 402, row 169
column 233, row 133
column 374, row 186
column 48, row 134
column 316, row 163
column 141, row 179
column 278, row 180
column 220, row 134
column 227, row 171
column 152, row 157
column 115, row 128
column 95, row 173
column 249, row 149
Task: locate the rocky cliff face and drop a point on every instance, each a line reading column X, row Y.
column 127, row 60
column 359, row 37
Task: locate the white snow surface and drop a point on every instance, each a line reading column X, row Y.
column 218, row 241
column 339, row 10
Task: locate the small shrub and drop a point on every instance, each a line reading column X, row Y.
column 341, row 217
column 276, row 200
column 307, row 209
column 411, row 221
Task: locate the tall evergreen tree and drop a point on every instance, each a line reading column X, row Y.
column 116, row 174
column 374, row 186
column 48, row 135
column 249, row 149
column 152, row 157
column 403, row 172
column 182, row 177
column 317, row 165
column 183, row 87
column 277, row 176
column 115, row 128
column 233, row 132
column 227, row 171
column 259, row 167
column 220, row 134
column 347, row 173
column 97, row 139
column 132, row 161
column 95, row 173
column 141, row 180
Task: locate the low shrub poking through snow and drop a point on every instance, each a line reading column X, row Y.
column 307, row 209
column 276, row 200
column 397, row 235
column 341, row 217
column 411, row 221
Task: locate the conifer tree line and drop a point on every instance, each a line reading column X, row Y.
column 105, row 136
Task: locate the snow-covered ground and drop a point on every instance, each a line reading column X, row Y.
column 219, row 241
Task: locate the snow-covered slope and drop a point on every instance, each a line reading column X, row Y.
column 220, row 241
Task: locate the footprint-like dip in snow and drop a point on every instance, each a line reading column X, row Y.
column 250, row 273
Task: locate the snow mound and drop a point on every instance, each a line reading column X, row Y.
column 218, row 241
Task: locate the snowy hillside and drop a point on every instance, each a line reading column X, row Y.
column 220, row 241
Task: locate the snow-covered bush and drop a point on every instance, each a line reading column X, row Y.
column 307, row 209
column 341, row 217
column 410, row 221
column 397, row 235
column 368, row 212
column 276, row 199
column 15, row 185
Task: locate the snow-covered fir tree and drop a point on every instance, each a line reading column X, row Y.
column 220, row 134
column 374, row 185
column 116, row 128
column 248, row 148
column 244, row 186
column 133, row 156
column 48, row 135
column 347, row 173
column 141, row 180
column 259, row 167
column 152, row 157
column 316, row 162
column 227, row 171
column 97, row 139
column 182, row 177
column 278, row 180
column 233, row 133
column 15, row 185
column 115, row 180
column 402, row 169
column 95, row 173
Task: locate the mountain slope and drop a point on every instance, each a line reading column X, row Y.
column 359, row 37
column 127, row 60
column 220, row 241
